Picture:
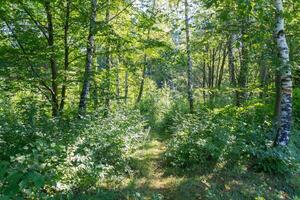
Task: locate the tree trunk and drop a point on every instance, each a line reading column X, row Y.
column 263, row 73
column 66, row 54
column 243, row 75
column 231, row 62
column 145, row 63
column 117, row 80
column 219, row 53
column 138, row 99
column 209, row 68
column 107, row 63
column 89, row 60
column 53, row 66
column 126, row 86
column 204, row 81
column 189, row 59
column 222, row 68
column 285, row 115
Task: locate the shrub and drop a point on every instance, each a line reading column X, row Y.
column 229, row 135
column 39, row 158
column 102, row 150
column 279, row 160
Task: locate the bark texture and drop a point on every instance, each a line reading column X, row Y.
column 243, row 75
column 89, row 60
column 285, row 116
column 53, row 65
column 231, row 62
column 66, row 56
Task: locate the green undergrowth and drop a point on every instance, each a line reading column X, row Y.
column 142, row 154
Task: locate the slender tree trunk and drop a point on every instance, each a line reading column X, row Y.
column 107, row 82
column 126, row 86
column 108, row 63
column 189, row 59
column 209, row 66
column 243, row 75
column 213, row 67
column 66, row 52
column 231, row 62
column 204, row 81
column 117, row 81
column 138, row 99
column 263, row 77
column 222, row 68
column 285, row 116
column 218, row 65
column 89, row 60
column 54, row 70
column 140, row 94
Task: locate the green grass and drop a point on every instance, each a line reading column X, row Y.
column 155, row 181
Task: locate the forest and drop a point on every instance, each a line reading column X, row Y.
column 150, row 99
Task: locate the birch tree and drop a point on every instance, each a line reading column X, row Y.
column 285, row 113
column 89, row 59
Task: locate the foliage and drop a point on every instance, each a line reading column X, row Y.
column 52, row 155
column 123, row 68
column 296, row 105
column 230, row 135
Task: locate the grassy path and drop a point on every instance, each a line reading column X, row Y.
column 150, row 181
column 154, row 181
column 158, row 182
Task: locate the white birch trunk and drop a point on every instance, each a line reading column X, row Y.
column 285, row 115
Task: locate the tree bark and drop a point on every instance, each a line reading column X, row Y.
column 118, row 80
column 222, row 68
column 243, row 75
column 138, row 99
column 107, row 64
column 204, row 81
column 285, row 115
column 66, row 55
column 126, row 86
column 53, row 66
column 263, row 75
column 231, row 62
column 189, row 59
column 89, row 60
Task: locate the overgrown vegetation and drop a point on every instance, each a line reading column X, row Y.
column 42, row 156
column 149, row 99
column 231, row 136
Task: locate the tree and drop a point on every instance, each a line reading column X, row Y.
column 285, row 114
column 189, row 59
column 89, row 59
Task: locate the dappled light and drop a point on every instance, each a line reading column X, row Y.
column 149, row 99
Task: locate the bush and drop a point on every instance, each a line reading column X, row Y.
column 232, row 136
column 45, row 156
column 279, row 160
column 102, row 150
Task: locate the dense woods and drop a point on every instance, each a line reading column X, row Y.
column 149, row 99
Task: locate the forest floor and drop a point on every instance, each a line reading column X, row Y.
column 154, row 180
